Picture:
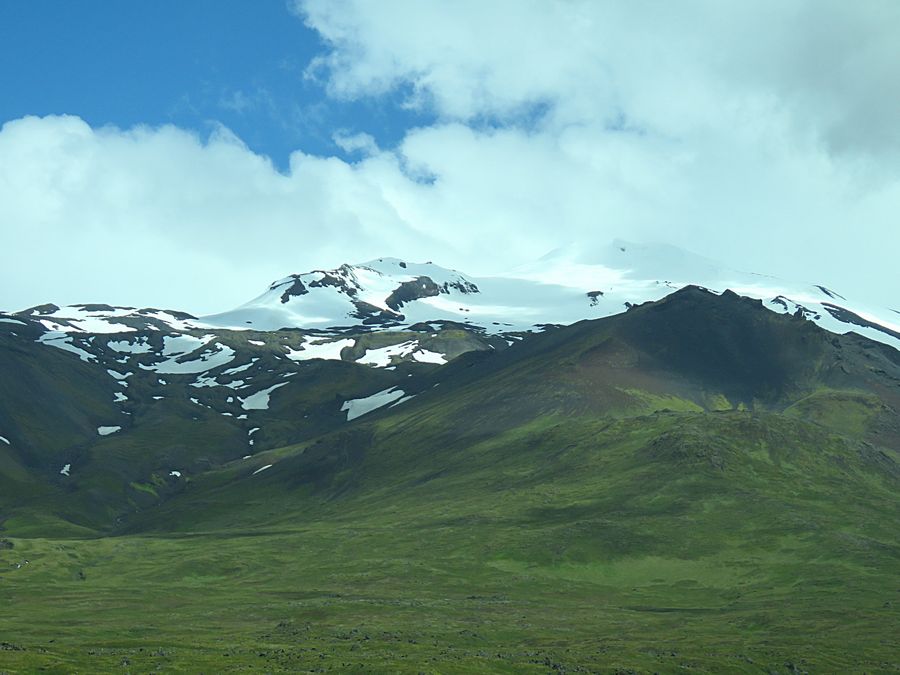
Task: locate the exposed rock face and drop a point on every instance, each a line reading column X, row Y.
column 342, row 278
column 294, row 289
column 354, row 283
column 425, row 287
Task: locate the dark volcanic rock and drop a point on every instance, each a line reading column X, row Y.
column 295, row 288
column 847, row 316
column 425, row 287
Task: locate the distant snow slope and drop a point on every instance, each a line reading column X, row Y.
column 383, row 292
column 403, row 318
column 95, row 318
column 561, row 288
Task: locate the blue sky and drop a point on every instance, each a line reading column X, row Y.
column 194, row 64
column 185, row 154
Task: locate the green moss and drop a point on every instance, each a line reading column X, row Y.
column 847, row 411
column 649, row 402
column 719, row 402
column 144, row 487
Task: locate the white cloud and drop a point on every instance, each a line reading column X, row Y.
column 758, row 134
column 762, row 133
column 832, row 66
column 158, row 217
column 362, row 143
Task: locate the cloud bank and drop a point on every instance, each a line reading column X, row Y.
column 762, row 135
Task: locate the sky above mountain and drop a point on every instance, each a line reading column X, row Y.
column 184, row 154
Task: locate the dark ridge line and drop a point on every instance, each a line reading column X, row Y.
column 846, row 316
column 831, row 294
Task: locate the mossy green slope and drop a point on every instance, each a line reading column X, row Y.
column 657, row 543
column 580, row 503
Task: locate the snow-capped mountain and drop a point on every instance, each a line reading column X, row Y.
column 384, row 292
column 559, row 289
column 319, row 350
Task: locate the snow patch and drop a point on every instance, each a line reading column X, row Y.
column 240, row 369
column 180, row 345
column 60, row 340
column 381, row 357
column 356, row 407
column 170, row 319
column 425, row 356
column 81, row 320
column 139, row 346
column 212, row 357
column 259, row 400
column 329, row 350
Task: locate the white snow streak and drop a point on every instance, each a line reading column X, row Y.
column 356, row 407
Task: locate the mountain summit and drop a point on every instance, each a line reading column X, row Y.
column 383, row 292
column 558, row 289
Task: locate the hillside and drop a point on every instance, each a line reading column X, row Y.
column 697, row 483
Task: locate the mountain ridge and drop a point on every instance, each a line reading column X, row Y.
column 697, row 480
column 389, row 293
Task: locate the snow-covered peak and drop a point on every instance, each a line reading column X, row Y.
column 565, row 286
column 377, row 279
column 375, row 292
column 628, row 273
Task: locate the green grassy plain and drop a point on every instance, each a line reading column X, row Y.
column 708, row 542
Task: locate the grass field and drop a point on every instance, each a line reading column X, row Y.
column 712, row 551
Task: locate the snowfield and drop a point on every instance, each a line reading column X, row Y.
column 357, row 407
column 563, row 287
